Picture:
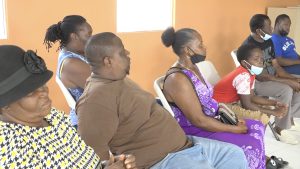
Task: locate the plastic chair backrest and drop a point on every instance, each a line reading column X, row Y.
column 158, row 83
column 70, row 100
column 234, row 57
column 209, row 71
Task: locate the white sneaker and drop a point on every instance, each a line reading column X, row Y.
column 287, row 138
column 295, row 127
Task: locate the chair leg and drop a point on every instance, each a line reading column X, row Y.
column 273, row 131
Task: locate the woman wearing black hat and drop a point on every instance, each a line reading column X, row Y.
column 32, row 134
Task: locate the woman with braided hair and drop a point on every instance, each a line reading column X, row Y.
column 72, row 68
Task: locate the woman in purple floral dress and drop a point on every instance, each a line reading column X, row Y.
column 190, row 97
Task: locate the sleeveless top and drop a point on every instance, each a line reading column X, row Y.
column 75, row 92
column 251, row 143
column 204, row 92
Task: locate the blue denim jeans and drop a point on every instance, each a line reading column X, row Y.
column 205, row 154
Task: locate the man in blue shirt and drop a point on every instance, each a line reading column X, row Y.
column 285, row 50
column 274, row 81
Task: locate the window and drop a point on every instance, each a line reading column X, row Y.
column 3, row 34
column 144, row 15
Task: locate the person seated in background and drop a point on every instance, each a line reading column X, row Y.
column 32, row 134
column 284, row 46
column 190, row 97
column 274, row 81
column 236, row 89
column 115, row 114
column 72, row 68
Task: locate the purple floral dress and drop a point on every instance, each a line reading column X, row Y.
column 252, row 143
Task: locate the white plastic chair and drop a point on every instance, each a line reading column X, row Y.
column 70, row 100
column 234, row 57
column 209, row 72
column 207, row 69
column 158, row 84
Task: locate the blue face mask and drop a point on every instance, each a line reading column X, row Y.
column 266, row 36
column 254, row 70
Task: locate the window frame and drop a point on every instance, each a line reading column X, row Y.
column 4, row 23
column 171, row 21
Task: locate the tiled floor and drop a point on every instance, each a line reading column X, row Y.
column 290, row 153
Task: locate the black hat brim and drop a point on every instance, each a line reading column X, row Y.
column 33, row 82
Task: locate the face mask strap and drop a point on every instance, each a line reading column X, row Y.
column 253, row 69
column 248, row 64
column 266, row 36
column 191, row 51
column 263, row 32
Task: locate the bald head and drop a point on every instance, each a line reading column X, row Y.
column 100, row 46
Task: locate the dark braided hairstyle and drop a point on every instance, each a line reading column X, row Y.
column 179, row 39
column 62, row 30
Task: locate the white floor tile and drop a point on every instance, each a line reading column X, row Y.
column 288, row 152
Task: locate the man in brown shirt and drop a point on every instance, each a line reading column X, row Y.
column 116, row 115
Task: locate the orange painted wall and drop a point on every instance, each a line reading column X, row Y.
column 223, row 25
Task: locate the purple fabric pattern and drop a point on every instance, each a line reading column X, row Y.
column 252, row 142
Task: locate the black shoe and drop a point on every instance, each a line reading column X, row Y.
column 271, row 164
column 279, row 162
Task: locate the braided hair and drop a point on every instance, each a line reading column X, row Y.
column 61, row 31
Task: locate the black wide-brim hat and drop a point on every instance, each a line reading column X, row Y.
column 20, row 73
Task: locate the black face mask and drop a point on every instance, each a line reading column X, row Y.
column 196, row 58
